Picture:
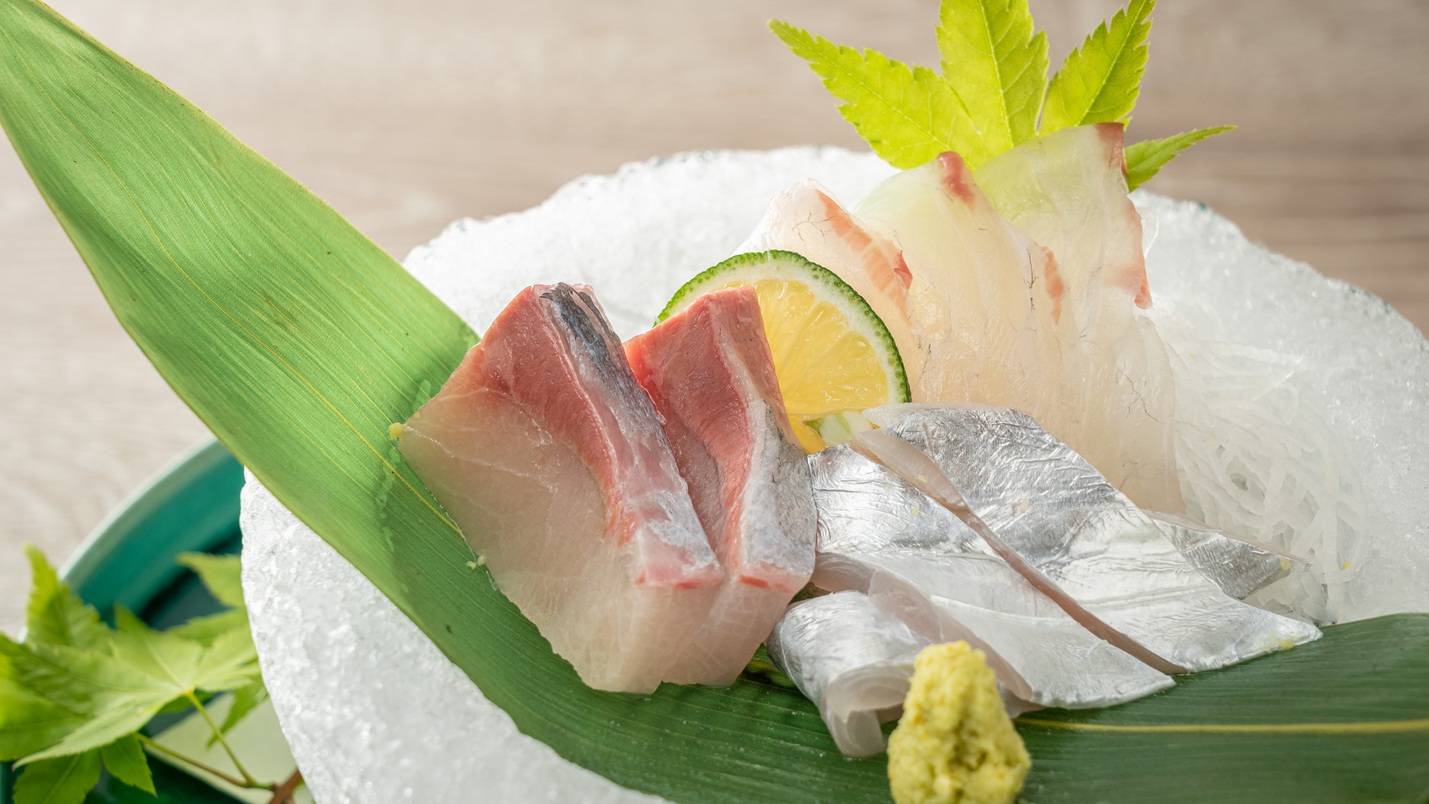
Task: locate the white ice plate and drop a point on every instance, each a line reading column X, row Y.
column 376, row 713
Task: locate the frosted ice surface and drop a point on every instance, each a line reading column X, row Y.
column 375, row 713
column 1349, row 374
column 635, row 236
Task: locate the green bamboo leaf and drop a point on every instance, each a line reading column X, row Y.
column 907, row 114
column 1342, row 719
column 997, row 67
column 1100, row 81
column 58, row 781
column 125, row 761
column 299, row 342
column 55, row 615
column 1144, row 159
column 221, row 575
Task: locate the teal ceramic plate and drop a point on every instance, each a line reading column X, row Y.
column 129, row 560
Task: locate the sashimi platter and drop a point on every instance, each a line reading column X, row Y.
column 960, row 470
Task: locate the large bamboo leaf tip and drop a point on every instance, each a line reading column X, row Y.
column 1099, row 82
column 907, row 114
column 996, row 66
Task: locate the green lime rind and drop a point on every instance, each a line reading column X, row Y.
column 778, row 263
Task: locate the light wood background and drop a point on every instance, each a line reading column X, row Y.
column 406, row 116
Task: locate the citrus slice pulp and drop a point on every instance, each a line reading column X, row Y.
column 831, row 352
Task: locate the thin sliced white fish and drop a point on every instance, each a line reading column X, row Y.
column 879, row 534
column 1072, row 527
column 1114, row 393
column 981, row 299
column 851, row 658
column 1238, row 566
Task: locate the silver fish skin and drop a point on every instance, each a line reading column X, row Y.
column 851, row 658
column 916, row 559
column 1068, row 522
column 1240, row 568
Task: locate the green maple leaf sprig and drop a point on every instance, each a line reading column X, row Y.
column 76, row 694
column 993, row 93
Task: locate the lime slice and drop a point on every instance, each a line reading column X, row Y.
column 831, row 351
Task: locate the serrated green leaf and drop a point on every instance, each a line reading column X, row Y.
column 123, row 717
column 1100, row 81
column 54, row 614
column 230, row 663
column 78, row 680
column 221, row 575
column 119, row 692
column 28, row 721
column 209, row 627
column 907, row 114
column 125, row 761
column 1144, row 159
column 245, row 700
column 170, row 661
column 66, row 780
column 997, row 68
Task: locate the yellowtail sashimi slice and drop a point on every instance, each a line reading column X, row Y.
column 551, row 459
column 1073, row 528
column 710, row 375
column 880, row 535
column 806, row 220
column 1115, row 401
column 983, row 299
column 832, row 353
column 851, row 658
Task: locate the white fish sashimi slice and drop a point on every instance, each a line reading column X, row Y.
column 806, row 220
column 1116, row 397
column 984, row 298
column 1061, row 517
column 1239, row 567
column 1067, row 191
column 852, row 659
column 915, row 558
column 551, row 459
column 710, row 374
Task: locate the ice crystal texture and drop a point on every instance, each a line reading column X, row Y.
column 1306, row 398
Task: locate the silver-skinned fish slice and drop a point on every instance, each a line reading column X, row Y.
column 880, row 535
column 1075, row 529
column 1239, row 567
column 852, row 659
column 551, row 459
column 710, row 374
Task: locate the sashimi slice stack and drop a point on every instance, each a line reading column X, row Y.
column 553, row 460
column 1018, row 284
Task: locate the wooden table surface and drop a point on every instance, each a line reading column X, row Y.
column 407, row 116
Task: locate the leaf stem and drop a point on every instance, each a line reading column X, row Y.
column 218, row 735
column 233, row 780
column 283, row 793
